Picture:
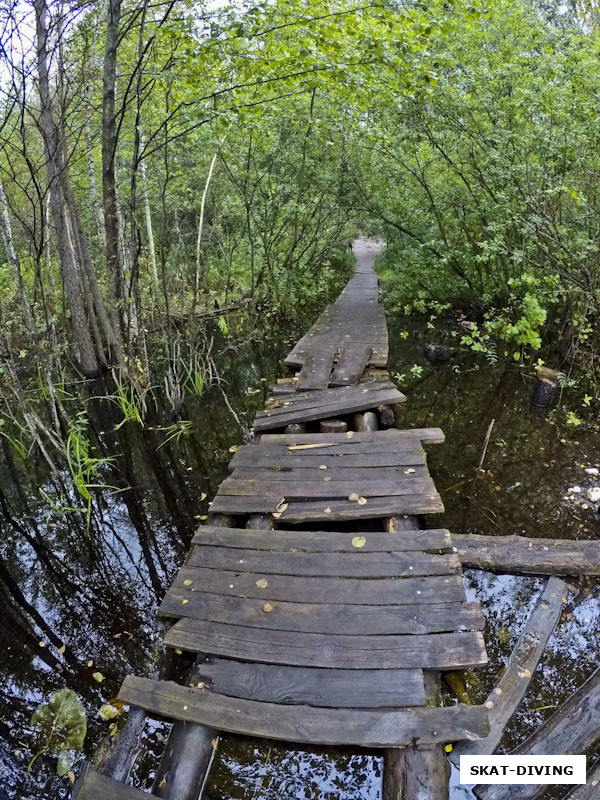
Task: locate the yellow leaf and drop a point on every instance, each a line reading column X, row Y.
column 322, row 466
column 203, row 496
column 359, row 541
column 184, row 602
column 327, row 510
column 71, row 776
column 328, row 478
column 350, row 434
column 448, row 748
column 178, row 651
column 267, row 608
column 409, row 471
column 62, row 649
column 262, row 583
column 90, row 663
column 112, row 728
column 362, row 501
column 200, row 685
column 42, row 644
column 109, row 711
column 204, row 517
column 353, row 497
column 98, row 676
column 188, row 582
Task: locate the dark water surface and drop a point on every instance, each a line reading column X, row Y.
column 94, row 587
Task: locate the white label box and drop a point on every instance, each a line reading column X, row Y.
column 553, row 770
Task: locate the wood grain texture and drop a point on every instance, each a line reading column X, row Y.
column 328, row 688
column 323, row 541
column 429, row 435
column 304, row 724
column 317, row 368
column 431, row 651
column 529, row 556
column 313, row 511
column 323, row 617
column 351, row 364
column 334, row 565
column 290, row 588
column 304, row 489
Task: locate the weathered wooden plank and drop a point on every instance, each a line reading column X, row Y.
column 334, row 565
column 323, row 541
column 222, row 504
column 282, row 459
column 348, row 405
column 428, row 435
column 323, row 473
column 430, row 651
column 304, row 489
column 317, row 368
column 99, row 787
column 522, row 555
column 330, row 688
column 305, row 724
column 351, row 364
column 343, row 510
column 574, row 728
column 322, row 397
column 323, row 617
column 375, row 591
column 505, row 698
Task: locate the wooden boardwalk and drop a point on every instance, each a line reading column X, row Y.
column 317, row 609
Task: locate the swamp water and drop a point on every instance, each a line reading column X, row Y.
column 94, row 585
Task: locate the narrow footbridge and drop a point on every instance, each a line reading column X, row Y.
column 317, row 610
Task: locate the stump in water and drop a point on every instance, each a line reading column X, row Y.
column 545, row 388
column 333, row 426
column 436, row 354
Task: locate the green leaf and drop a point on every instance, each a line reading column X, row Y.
column 61, row 724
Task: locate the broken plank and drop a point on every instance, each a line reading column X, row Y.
column 303, row 723
column 530, row 556
column 505, row 698
column 323, row 541
column 317, row 368
column 323, row 617
column 340, row 565
column 574, row 728
column 245, row 505
column 430, row 651
column 351, row 364
column 377, row 591
column 313, row 686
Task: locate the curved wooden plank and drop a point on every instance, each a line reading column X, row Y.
column 283, row 459
column 334, row 565
column 408, row 435
column 323, row 541
column 305, row 724
column 328, row 688
column 377, row 591
column 431, row 651
column 323, row 617
column 340, row 510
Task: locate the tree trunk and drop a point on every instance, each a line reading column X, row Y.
column 13, row 260
column 109, row 178
column 71, row 269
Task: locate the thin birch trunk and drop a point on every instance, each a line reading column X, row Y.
column 13, row 260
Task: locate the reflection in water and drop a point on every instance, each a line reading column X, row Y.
column 80, row 596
